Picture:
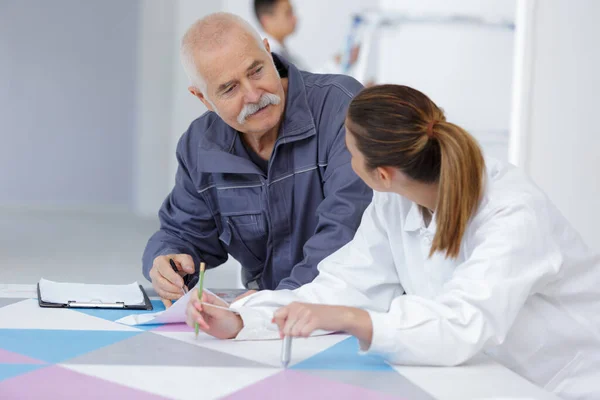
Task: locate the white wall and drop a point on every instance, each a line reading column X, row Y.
column 466, row 70
column 93, row 99
column 563, row 136
column 67, row 93
column 154, row 105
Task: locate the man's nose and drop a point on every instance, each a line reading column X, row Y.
column 252, row 94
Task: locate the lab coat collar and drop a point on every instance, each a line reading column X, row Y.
column 414, row 220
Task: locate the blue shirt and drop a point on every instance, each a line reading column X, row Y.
column 280, row 224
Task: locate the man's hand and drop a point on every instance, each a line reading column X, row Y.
column 168, row 283
column 217, row 322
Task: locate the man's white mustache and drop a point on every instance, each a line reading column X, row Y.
column 249, row 109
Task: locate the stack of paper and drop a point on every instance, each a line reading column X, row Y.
column 63, row 293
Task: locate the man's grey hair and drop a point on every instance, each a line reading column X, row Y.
column 209, row 33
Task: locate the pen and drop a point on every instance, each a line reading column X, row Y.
column 176, row 270
column 286, row 351
column 200, row 289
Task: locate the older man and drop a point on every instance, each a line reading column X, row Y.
column 264, row 175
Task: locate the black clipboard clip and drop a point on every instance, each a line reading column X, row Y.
column 95, row 304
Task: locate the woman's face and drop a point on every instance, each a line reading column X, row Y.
column 369, row 176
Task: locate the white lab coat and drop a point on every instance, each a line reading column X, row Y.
column 525, row 289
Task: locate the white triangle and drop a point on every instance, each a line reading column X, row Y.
column 27, row 314
column 179, row 382
column 264, row 351
column 472, row 380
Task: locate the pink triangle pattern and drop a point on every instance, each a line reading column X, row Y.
column 8, row 357
column 66, row 384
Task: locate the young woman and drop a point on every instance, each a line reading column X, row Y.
column 454, row 256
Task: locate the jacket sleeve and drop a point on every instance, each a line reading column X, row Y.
column 345, row 198
column 512, row 257
column 360, row 274
column 187, row 225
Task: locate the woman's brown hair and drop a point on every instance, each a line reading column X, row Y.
column 397, row 126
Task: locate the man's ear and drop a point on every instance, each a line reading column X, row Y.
column 267, row 45
column 197, row 93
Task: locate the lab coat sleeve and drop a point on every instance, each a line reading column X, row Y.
column 360, row 274
column 511, row 258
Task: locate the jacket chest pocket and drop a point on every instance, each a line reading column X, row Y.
column 244, row 225
column 247, row 226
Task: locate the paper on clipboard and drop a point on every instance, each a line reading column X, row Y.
column 172, row 315
column 63, row 293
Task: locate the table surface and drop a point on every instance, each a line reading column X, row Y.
column 66, row 353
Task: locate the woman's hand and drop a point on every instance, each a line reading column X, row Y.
column 217, row 322
column 302, row 319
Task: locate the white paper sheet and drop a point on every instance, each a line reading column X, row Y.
column 59, row 292
column 172, row 315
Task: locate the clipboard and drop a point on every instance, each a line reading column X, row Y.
column 147, row 305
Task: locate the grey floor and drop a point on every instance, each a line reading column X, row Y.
column 76, row 246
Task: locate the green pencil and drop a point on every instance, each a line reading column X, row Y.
column 200, row 289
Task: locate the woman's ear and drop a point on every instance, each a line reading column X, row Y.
column 385, row 175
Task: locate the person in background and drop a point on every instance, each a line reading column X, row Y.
column 456, row 255
column 264, row 175
column 278, row 22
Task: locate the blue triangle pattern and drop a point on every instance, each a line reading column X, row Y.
column 343, row 356
column 12, row 370
column 113, row 315
column 55, row 346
